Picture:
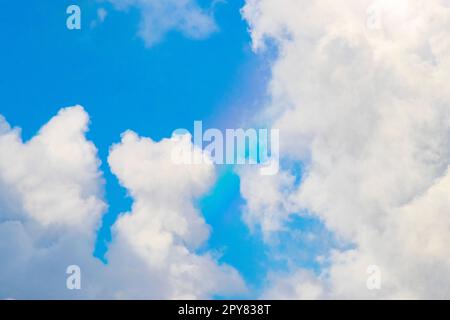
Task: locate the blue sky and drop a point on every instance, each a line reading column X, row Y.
column 360, row 102
column 124, row 84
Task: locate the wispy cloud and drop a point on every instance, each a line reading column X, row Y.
column 159, row 17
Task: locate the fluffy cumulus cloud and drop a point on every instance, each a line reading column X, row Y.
column 51, row 205
column 164, row 228
column 161, row 16
column 359, row 91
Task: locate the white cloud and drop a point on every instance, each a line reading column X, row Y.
column 164, row 228
column 365, row 107
column 54, row 177
column 359, row 92
column 268, row 202
column 161, row 16
column 51, row 205
column 299, row 285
